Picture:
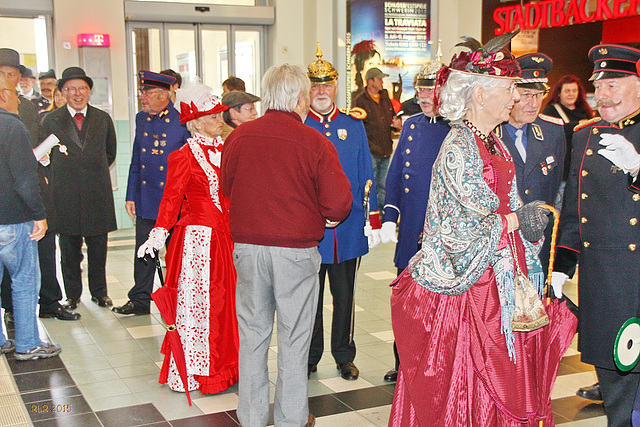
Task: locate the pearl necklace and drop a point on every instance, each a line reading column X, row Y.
column 488, row 141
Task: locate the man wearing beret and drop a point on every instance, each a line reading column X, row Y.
column 343, row 245
column 599, row 224
column 536, row 142
column 158, row 133
column 81, row 191
column 47, row 86
column 241, row 110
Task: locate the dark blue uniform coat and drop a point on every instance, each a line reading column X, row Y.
column 540, row 177
column 157, row 136
column 600, row 222
column 347, row 240
column 409, row 179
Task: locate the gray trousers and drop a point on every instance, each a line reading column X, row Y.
column 274, row 279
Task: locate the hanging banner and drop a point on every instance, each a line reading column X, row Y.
column 393, row 36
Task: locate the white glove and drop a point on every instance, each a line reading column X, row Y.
column 619, row 151
column 374, row 238
column 157, row 237
column 45, row 160
column 388, row 232
column 557, row 281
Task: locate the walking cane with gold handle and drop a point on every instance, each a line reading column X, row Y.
column 554, row 235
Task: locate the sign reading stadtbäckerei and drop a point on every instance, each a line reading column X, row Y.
column 393, row 36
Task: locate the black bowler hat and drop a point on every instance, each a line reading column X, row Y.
column 28, row 72
column 47, row 75
column 11, row 58
column 74, row 73
column 611, row 61
column 534, row 68
column 149, row 79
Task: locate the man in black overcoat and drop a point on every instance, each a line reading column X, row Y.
column 81, row 185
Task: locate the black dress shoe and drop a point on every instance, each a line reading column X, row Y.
column 61, row 313
column 72, row 303
column 592, row 392
column 391, row 375
column 129, row 308
column 348, row 371
column 311, row 369
column 102, row 301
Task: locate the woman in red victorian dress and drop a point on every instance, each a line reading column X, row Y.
column 199, row 256
column 461, row 361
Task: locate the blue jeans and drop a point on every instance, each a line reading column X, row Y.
column 19, row 255
column 380, row 169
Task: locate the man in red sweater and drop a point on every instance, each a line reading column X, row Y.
column 285, row 184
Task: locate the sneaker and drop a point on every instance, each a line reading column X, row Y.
column 43, row 351
column 7, row 347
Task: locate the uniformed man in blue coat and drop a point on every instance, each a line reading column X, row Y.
column 599, row 225
column 343, row 245
column 409, row 176
column 536, row 142
column 158, row 133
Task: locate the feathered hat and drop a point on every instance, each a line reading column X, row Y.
column 195, row 100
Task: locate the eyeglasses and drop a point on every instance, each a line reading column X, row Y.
column 147, row 93
column 528, row 97
column 72, row 90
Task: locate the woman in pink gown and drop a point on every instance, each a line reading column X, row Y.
column 461, row 362
column 199, row 256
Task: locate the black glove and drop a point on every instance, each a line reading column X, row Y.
column 533, row 220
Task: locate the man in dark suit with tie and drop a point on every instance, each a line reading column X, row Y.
column 81, row 185
column 536, row 142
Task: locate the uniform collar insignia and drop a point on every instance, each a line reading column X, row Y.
column 537, row 131
column 629, row 120
column 331, row 115
column 163, row 113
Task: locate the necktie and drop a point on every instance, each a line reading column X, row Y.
column 78, row 118
column 520, row 145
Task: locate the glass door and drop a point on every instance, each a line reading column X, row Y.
column 248, row 57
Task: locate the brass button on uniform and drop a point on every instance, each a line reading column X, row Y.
column 161, row 168
column 143, row 166
column 410, row 138
column 583, row 220
column 145, row 134
column 526, row 191
column 162, row 184
column 584, row 196
column 406, row 190
column 326, row 125
column 412, row 126
column 406, row 176
column 328, row 133
column 586, row 244
column 636, row 197
column 164, row 135
column 144, row 150
column 161, row 151
column 589, row 152
column 632, row 247
column 407, row 164
column 584, row 173
column 148, row 119
column 633, row 221
column 144, row 182
column 595, row 131
column 408, row 151
column 167, row 120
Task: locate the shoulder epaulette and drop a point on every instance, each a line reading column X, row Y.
column 355, row 112
column 551, row 119
column 587, row 123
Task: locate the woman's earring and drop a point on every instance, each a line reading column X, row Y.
column 482, row 105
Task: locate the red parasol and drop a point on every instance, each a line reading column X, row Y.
column 166, row 298
column 554, row 339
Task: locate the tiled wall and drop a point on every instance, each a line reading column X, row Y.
column 123, row 159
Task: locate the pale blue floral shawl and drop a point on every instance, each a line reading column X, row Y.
column 462, row 229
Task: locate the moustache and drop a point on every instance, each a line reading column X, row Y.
column 607, row 103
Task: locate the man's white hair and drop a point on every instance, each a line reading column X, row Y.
column 282, row 86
